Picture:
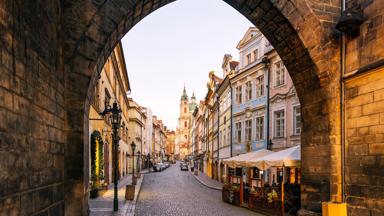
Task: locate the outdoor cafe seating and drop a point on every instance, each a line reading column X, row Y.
column 247, row 185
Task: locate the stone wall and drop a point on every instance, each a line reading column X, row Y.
column 51, row 52
column 365, row 143
column 31, row 108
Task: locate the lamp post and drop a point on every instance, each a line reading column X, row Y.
column 138, row 163
column 133, row 146
column 116, row 121
column 148, row 162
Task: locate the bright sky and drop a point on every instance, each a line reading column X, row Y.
column 179, row 44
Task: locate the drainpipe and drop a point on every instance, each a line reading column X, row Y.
column 218, row 127
column 342, row 106
column 266, row 61
column 230, row 88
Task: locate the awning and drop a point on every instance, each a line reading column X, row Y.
column 290, row 157
column 242, row 160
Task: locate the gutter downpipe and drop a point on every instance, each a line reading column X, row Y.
column 342, row 106
column 218, row 137
column 230, row 88
column 266, row 61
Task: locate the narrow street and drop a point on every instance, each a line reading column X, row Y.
column 176, row 192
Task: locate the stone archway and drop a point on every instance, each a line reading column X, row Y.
column 52, row 51
column 298, row 36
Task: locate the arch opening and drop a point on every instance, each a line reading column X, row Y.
column 278, row 25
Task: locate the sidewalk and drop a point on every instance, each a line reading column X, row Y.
column 208, row 182
column 103, row 205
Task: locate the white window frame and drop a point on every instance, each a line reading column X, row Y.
column 229, row 135
column 259, row 134
column 224, row 143
column 260, row 86
column 279, row 68
column 237, row 130
column 274, row 123
column 296, row 130
column 255, row 54
column 248, row 58
column 248, row 90
column 248, row 130
column 239, row 95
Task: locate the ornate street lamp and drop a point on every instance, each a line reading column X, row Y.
column 115, row 121
column 133, row 146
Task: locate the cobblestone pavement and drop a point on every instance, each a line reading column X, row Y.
column 176, row 192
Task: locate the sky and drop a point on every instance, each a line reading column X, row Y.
column 178, row 45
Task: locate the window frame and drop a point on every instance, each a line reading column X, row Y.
column 280, row 78
column 248, row 90
column 238, row 130
column 248, row 130
column 282, row 126
column 260, row 86
column 259, row 128
column 255, row 55
column 248, row 57
column 295, row 115
column 239, row 91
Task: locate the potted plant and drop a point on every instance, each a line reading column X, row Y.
column 129, row 192
column 94, row 191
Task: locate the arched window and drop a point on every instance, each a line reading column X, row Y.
column 185, row 109
column 185, row 124
column 185, row 136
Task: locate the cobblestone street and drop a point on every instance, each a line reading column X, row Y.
column 176, row 192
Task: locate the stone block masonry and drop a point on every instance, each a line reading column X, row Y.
column 51, row 53
column 365, row 143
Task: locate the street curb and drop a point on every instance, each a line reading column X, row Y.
column 208, row 186
column 138, row 193
column 130, row 211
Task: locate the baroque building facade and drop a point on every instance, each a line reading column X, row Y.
column 234, row 118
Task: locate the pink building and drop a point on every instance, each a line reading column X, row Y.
column 285, row 114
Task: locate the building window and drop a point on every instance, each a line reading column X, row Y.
column 238, row 94
column 248, row 130
column 224, row 140
column 279, row 123
column 279, row 74
column 185, row 137
column 255, row 55
column 107, row 98
column 248, row 56
column 238, row 132
column 185, row 109
column 296, row 120
column 260, row 86
column 229, row 135
column 220, row 138
column 248, row 90
column 185, row 124
column 260, row 128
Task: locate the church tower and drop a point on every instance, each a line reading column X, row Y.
column 184, row 123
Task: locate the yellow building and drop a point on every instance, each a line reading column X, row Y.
column 113, row 85
column 136, row 132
